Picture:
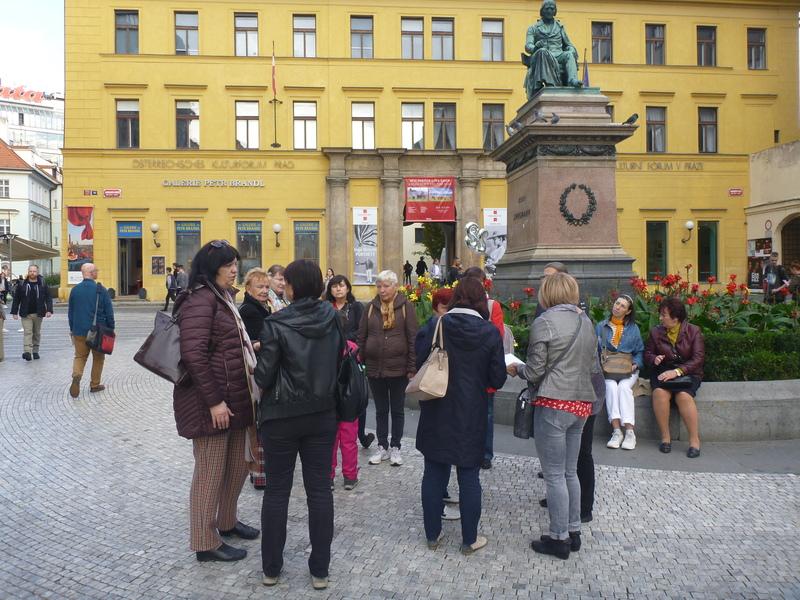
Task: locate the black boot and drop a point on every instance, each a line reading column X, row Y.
column 547, row 545
column 574, row 541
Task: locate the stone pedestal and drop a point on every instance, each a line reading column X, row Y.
column 562, row 193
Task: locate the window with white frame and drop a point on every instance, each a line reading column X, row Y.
column 492, row 40
column 411, row 40
column 187, row 33
column 361, row 37
column 247, row 125
column 187, row 124
column 246, row 34
column 5, row 226
column 305, row 36
column 442, row 39
column 305, row 125
column 363, row 114
column 5, row 188
column 127, row 123
column 412, row 128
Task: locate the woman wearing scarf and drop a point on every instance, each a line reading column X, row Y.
column 386, row 343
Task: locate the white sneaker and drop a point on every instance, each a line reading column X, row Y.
column 616, row 439
column 451, row 513
column 630, row 440
column 379, row 455
column 394, row 457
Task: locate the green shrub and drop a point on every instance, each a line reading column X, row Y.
column 52, row 280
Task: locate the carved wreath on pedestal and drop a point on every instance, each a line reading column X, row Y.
column 587, row 215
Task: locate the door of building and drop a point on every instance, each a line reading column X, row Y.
column 129, row 257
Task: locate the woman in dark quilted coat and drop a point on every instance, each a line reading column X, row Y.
column 213, row 405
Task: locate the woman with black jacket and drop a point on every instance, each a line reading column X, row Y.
column 297, row 368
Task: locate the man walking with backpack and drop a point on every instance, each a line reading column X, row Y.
column 87, row 300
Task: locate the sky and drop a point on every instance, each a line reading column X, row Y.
column 32, row 44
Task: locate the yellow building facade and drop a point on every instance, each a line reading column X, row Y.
column 171, row 136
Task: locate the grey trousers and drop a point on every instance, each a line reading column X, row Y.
column 32, row 324
column 557, row 434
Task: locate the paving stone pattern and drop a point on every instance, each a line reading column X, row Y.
column 94, row 503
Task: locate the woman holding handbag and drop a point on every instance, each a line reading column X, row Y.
column 621, row 356
column 452, row 429
column 675, row 352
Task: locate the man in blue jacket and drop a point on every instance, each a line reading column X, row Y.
column 84, row 299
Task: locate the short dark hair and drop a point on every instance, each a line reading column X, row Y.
column 475, row 273
column 674, row 307
column 305, row 278
column 558, row 266
column 469, row 293
column 209, row 259
column 169, row 269
column 336, row 280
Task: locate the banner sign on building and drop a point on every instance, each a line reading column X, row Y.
column 430, row 199
column 80, row 241
column 129, row 229
column 758, row 252
column 495, row 223
column 187, row 226
column 365, row 245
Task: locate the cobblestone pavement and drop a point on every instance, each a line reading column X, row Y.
column 94, row 497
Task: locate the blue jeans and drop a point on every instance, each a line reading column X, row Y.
column 488, row 452
column 557, row 434
column 434, row 483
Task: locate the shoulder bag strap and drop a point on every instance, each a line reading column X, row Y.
column 96, row 304
column 438, row 336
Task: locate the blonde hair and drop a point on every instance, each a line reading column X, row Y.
column 253, row 274
column 558, row 288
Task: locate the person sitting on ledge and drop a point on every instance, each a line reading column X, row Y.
column 552, row 60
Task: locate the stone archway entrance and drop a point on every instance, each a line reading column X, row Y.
column 790, row 241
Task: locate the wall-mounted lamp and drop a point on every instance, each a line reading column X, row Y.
column 690, row 226
column 154, row 228
column 276, row 228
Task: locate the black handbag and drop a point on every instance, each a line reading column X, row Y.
column 352, row 388
column 684, row 382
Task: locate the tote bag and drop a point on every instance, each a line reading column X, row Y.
column 430, row 382
column 161, row 351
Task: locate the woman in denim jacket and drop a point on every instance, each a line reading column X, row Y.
column 619, row 333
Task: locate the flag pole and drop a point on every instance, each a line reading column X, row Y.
column 274, row 102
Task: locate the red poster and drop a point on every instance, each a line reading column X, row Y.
column 430, row 199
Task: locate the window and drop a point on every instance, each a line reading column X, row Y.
column 442, row 37
column 413, row 137
column 247, row 125
column 5, row 188
column 187, row 124
column 444, row 126
column 654, row 44
column 492, row 40
column 127, row 123
column 363, row 114
column 186, row 33
column 126, row 38
column 305, row 125
column 776, row 136
column 361, row 37
column 706, row 46
column 707, row 130
column 246, row 34
column 411, row 38
column 5, row 224
column 707, row 249
column 656, row 129
column 419, row 235
column 610, row 111
column 248, row 243
column 21, row 119
column 756, row 49
column 493, row 123
column 656, row 249
column 305, row 36
column 187, row 242
column 306, row 240
column 602, row 42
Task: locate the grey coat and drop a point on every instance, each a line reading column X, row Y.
column 571, row 377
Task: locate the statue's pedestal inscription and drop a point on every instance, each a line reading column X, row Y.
column 561, row 165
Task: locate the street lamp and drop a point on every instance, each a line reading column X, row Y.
column 154, row 228
column 276, row 228
column 689, row 226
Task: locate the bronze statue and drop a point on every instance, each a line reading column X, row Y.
column 551, row 58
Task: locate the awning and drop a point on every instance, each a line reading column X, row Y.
column 22, row 249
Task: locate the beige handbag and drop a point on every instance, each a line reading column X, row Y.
column 616, row 365
column 430, row 382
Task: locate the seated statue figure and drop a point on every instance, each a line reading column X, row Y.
column 551, row 58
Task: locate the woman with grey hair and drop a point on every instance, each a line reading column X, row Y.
column 386, row 342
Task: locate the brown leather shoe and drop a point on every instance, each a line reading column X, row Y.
column 75, row 387
column 99, row 388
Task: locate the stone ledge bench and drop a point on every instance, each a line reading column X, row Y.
column 740, row 411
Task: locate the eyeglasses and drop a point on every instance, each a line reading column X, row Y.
column 219, row 243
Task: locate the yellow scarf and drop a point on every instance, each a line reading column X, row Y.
column 387, row 312
column 672, row 334
column 617, row 325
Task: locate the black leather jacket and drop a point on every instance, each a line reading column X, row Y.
column 299, row 360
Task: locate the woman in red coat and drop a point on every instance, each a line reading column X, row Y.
column 213, row 403
column 675, row 349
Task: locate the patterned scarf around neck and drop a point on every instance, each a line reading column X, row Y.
column 387, row 312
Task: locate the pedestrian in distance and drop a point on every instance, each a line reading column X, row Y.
column 562, row 354
column 436, row 271
column 213, row 404
column 32, row 303
column 408, row 269
column 253, row 310
column 453, row 272
column 329, row 273
column 181, row 279
column 276, row 297
column 2, row 331
column 776, row 281
column 794, row 280
column 88, row 301
column 386, row 345
column 297, row 371
column 675, row 348
column 172, row 288
column 422, row 267
column 452, row 429
column 5, row 284
column 619, row 333
column 339, row 293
